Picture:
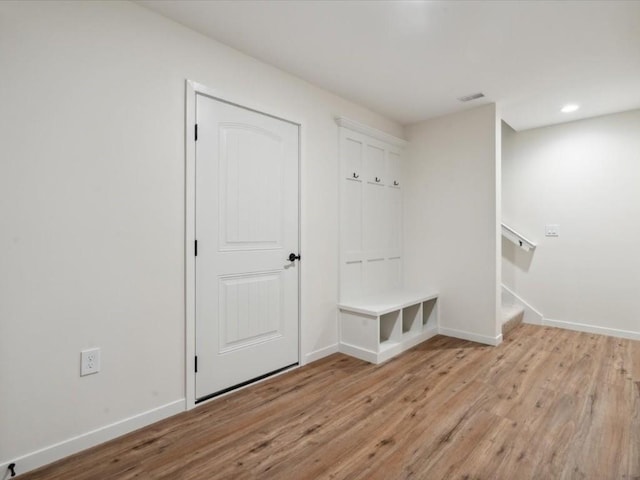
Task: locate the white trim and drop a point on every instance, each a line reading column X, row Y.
column 375, row 306
column 338, row 286
column 189, row 251
column 191, row 90
column 473, row 337
column 248, row 385
column 370, row 131
column 226, row 97
column 581, row 327
column 358, row 352
column 62, row 449
column 426, row 334
column 302, row 141
column 320, row 353
column 387, row 351
column 531, row 315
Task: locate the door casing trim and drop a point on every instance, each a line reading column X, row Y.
column 191, row 90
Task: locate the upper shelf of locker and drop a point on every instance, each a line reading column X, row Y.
column 371, row 132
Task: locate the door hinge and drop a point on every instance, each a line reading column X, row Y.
column 196, row 129
column 196, row 248
column 196, row 363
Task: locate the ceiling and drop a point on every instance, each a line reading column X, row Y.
column 411, row 60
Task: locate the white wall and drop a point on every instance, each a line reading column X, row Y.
column 584, row 176
column 451, row 219
column 92, row 209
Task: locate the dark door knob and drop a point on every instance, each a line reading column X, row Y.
column 293, row 257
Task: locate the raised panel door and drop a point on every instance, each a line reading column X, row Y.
column 246, row 226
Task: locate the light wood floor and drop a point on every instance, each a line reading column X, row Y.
column 546, row 404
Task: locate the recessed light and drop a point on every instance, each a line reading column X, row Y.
column 572, row 107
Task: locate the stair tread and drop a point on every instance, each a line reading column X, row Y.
column 512, row 309
column 512, row 316
column 511, row 312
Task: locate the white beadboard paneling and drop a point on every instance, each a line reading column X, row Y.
column 352, row 225
column 370, row 211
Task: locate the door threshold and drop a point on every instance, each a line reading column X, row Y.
column 244, row 384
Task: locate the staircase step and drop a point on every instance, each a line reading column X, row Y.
column 511, row 317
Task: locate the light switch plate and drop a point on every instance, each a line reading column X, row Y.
column 552, row 230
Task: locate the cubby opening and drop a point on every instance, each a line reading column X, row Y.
column 377, row 328
column 389, row 327
column 429, row 313
column 411, row 318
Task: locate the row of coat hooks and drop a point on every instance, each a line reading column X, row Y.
column 378, row 180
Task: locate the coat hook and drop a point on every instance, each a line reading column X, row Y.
column 377, row 180
column 355, row 175
column 395, row 183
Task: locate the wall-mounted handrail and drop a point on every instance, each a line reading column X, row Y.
column 520, row 240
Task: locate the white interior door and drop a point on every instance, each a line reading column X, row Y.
column 246, row 227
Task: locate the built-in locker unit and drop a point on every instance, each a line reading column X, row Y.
column 378, row 317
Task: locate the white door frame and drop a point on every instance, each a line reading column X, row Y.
column 191, row 89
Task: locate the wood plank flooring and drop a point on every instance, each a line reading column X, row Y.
column 546, row 404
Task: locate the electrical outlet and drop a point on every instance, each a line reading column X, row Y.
column 89, row 361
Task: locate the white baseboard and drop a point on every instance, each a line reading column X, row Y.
column 86, row 440
column 473, row 337
column 389, row 351
column 581, row 327
column 426, row 334
column 320, row 353
column 531, row 315
column 359, row 352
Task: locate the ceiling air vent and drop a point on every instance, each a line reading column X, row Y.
column 473, row 96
